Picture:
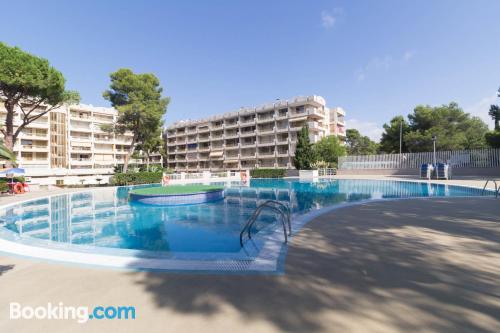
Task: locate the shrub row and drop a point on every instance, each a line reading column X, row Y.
column 267, row 173
column 135, row 178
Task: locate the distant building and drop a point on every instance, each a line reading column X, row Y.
column 261, row 137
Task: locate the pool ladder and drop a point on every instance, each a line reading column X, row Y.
column 497, row 189
column 276, row 206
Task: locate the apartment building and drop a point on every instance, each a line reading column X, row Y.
column 70, row 141
column 261, row 137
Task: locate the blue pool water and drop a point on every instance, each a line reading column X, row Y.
column 106, row 218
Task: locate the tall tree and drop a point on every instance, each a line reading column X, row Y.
column 152, row 144
column 304, row 152
column 389, row 143
column 495, row 115
column 454, row 129
column 329, row 149
column 141, row 107
column 6, row 154
column 358, row 144
column 28, row 84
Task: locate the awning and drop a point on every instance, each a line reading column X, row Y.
column 216, row 153
column 297, row 119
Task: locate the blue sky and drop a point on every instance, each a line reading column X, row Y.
column 375, row 59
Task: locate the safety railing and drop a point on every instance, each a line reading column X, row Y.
column 280, row 208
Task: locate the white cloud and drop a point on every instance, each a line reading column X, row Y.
column 368, row 128
column 327, row 19
column 408, row 55
column 382, row 64
column 330, row 17
column 375, row 64
column 481, row 108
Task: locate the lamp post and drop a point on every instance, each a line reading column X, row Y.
column 434, row 138
column 400, row 136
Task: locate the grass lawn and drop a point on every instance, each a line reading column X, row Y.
column 176, row 189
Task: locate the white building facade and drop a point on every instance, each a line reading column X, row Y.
column 261, row 137
column 68, row 143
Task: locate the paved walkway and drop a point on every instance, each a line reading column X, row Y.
column 429, row 265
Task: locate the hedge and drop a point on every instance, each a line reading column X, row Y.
column 135, row 178
column 267, row 173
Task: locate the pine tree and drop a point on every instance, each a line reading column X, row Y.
column 304, row 152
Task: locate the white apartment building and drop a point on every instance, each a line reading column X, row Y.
column 261, row 137
column 69, row 141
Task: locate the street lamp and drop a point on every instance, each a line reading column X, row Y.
column 400, row 136
column 434, row 138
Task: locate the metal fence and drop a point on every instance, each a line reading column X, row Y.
column 326, row 172
column 475, row 158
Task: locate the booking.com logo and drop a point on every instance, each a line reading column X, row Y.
column 79, row 313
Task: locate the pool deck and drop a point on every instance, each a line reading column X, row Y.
column 421, row 265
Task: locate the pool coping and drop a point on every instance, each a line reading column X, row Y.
column 269, row 259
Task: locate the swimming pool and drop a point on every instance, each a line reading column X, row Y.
column 102, row 227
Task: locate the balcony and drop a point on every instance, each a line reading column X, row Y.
column 248, row 156
column 43, row 148
column 314, row 126
column 216, row 127
column 79, row 148
column 264, row 143
column 43, row 123
column 247, row 122
column 231, row 135
column 231, row 125
column 80, row 128
column 81, row 161
column 315, row 112
column 262, row 120
column 266, row 154
column 232, row 156
column 281, row 141
column 282, row 153
column 203, row 129
column 232, row 146
column 103, row 120
column 266, row 130
column 282, row 116
column 216, row 137
column 248, row 133
column 247, row 144
column 34, row 135
column 296, row 126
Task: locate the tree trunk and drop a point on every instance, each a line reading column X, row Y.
column 147, row 162
column 497, row 126
column 129, row 154
column 9, row 139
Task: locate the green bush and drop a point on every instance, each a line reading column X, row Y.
column 493, row 138
column 4, row 187
column 267, row 173
column 135, row 178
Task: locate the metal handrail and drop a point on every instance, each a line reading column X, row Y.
column 277, row 206
column 497, row 189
